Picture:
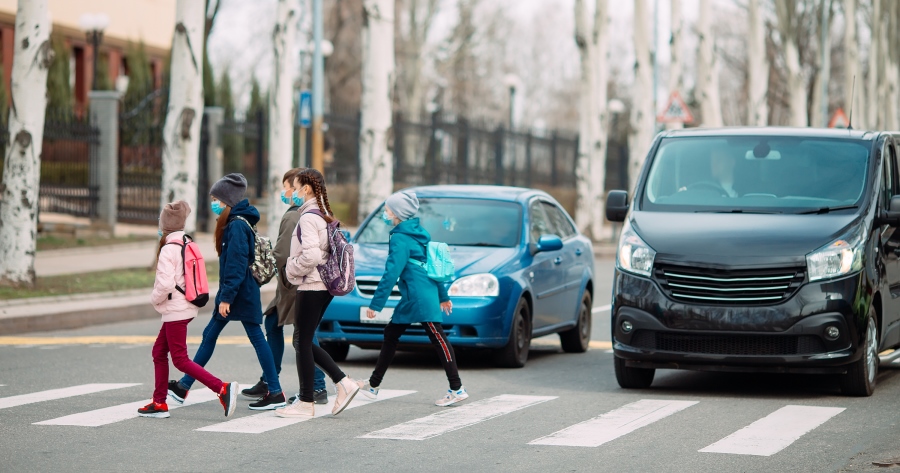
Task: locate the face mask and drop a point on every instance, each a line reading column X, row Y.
column 216, row 207
column 298, row 201
column 285, row 199
column 159, row 232
column 388, row 220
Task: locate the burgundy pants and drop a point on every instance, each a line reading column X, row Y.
column 172, row 339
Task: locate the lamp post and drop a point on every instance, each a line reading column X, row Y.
column 326, row 49
column 512, row 82
column 93, row 26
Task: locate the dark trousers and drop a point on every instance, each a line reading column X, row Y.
column 392, row 334
column 310, row 308
column 172, row 339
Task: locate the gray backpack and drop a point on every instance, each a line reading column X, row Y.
column 262, row 267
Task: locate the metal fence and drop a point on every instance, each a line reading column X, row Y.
column 140, row 158
column 244, row 150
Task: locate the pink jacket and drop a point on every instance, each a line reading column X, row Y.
column 170, row 303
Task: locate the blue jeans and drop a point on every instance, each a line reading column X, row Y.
column 275, row 337
column 255, row 334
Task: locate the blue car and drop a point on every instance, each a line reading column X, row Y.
column 522, row 270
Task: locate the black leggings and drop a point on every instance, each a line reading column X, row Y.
column 435, row 333
column 310, row 308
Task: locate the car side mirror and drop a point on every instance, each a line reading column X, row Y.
column 891, row 216
column 617, row 206
column 549, row 243
column 346, row 234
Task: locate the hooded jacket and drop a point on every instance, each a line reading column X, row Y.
column 283, row 303
column 420, row 296
column 236, row 283
column 166, row 299
column 301, row 264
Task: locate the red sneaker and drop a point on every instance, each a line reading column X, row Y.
column 158, row 410
column 228, row 397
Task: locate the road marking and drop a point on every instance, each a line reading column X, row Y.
column 259, row 423
column 601, row 309
column 614, row 424
column 554, row 342
column 456, row 418
column 774, row 432
column 113, row 414
column 99, row 341
column 62, row 393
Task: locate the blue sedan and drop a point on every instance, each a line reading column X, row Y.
column 522, row 270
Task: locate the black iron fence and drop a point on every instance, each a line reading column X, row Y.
column 140, row 158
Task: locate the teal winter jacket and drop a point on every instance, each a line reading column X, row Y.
column 420, row 296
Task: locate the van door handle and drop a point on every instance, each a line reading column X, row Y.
column 558, row 260
column 577, row 251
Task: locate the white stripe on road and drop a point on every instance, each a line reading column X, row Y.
column 601, row 309
column 259, row 423
column 62, row 393
column 110, row 415
column 614, row 424
column 456, row 418
column 774, row 432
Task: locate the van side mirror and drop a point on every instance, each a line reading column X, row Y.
column 617, row 206
column 346, row 234
column 549, row 243
column 890, row 217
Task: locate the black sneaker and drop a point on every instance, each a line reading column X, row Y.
column 320, row 396
column 258, row 390
column 176, row 392
column 270, row 402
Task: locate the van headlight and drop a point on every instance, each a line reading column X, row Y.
column 476, row 285
column 633, row 255
column 838, row 258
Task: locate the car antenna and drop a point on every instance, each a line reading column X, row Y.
column 852, row 99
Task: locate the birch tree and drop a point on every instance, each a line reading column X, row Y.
column 708, row 69
column 643, row 121
column 181, row 132
column 788, row 28
column 376, row 174
column 853, row 81
column 413, row 26
column 892, row 67
column 823, row 67
column 32, row 58
column 758, row 81
column 875, row 51
column 676, row 78
column 281, row 126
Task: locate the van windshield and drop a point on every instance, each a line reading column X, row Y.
column 756, row 174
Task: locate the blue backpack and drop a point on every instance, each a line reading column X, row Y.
column 439, row 265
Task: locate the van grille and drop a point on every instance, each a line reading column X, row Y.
column 367, row 286
column 729, row 287
column 729, row 344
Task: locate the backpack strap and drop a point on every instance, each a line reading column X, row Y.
column 183, row 246
column 314, row 211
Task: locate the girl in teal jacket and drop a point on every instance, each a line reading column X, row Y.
column 422, row 300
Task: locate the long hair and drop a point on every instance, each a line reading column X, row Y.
column 314, row 179
column 220, row 227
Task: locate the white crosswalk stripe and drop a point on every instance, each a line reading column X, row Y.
column 614, row 424
column 259, row 423
column 775, row 432
column 457, row 418
column 62, row 393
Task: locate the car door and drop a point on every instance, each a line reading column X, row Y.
column 890, row 238
column 547, row 281
column 571, row 261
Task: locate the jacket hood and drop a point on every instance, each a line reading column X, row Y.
column 244, row 209
column 412, row 228
column 175, row 236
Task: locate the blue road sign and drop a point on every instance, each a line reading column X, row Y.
column 304, row 115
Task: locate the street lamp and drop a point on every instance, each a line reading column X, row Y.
column 512, row 82
column 93, row 26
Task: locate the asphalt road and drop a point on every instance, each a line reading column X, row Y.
column 515, row 420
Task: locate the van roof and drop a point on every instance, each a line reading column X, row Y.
column 772, row 131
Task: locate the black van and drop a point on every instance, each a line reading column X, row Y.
column 759, row 249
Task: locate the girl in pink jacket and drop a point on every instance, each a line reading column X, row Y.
column 176, row 313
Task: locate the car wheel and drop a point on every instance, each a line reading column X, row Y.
column 578, row 338
column 515, row 353
column 337, row 350
column 859, row 380
column 633, row 378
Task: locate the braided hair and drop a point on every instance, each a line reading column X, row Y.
column 314, row 179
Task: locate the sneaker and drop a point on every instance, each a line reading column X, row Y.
column 157, row 410
column 320, row 396
column 297, row 409
column 346, row 390
column 269, row 402
column 228, row 397
column 176, row 392
column 367, row 389
column 452, row 397
column 258, row 390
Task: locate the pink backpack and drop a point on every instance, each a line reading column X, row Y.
column 196, row 285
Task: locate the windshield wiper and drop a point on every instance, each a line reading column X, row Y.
column 825, row 210
column 478, row 244
column 739, row 211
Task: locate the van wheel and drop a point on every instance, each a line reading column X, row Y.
column 337, row 350
column 515, row 353
column 578, row 338
column 633, row 378
column 859, row 380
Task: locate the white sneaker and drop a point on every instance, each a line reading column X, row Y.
column 452, row 397
column 297, row 409
column 346, row 390
column 367, row 389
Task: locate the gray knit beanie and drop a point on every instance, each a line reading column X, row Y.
column 404, row 204
column 230, row 189
column 173, row 216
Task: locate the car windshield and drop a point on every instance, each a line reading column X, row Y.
column 463, row 222
column 757, row 174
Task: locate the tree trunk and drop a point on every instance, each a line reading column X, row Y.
column 852, row 91
column 676, row 78
column 892, row 64
column 599, row 116
column 22, row 165
column 797, row 94
column 819, row 110
column 708, row 70
column 643, row 121
column 375, row 154
column 757, row 110
column 583, row 211
column 281, row 100
column 181, row 133
column 875, row 51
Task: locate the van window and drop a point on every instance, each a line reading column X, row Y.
column 889, row 174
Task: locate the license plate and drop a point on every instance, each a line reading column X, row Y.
column 382, row 317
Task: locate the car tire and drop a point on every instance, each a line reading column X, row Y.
column 515, row 353
column 633, row 378
column 337, row 350
column 578, row 338
column 859, row 380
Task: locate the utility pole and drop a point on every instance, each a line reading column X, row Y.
column 318, row 89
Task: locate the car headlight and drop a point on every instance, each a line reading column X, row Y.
column 838, row 258
column 633, row 255
column 476, row 285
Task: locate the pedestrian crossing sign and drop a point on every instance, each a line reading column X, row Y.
column 839, row 120
column 676, row 110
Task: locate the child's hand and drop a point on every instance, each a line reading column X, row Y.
column 370, row 313
column 447, row 307
column 224, row 309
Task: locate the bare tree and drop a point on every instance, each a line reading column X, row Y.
column 643, row 121
column 788, row 27
column 873, row 98
column 822, row 70
column 708, row 70
column 413, row 25
column 22, row 166
column 676, row 77
column 853, row 80
column 758, row 70
column 891, row 78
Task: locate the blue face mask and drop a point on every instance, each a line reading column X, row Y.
column 298, row 201
column 388, row 220
column 285, row 199
column 216, row 207
column 159, row 232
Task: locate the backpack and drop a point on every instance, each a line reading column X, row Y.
column 439, row 265
column 337, row 272
column 196, row 285
column 263, row 266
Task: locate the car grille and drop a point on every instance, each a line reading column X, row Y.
column 367, row 286
column 414, row 330
column 726, row 287
column 729, row 344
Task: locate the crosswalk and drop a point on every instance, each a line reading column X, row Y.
column 774, row 432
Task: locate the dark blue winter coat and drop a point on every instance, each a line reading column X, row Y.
column 236, row 283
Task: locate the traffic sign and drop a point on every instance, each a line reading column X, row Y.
column 839, row 120
column 676, row 111
column 304, row 109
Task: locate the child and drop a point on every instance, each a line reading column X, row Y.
column 422, row 299
column 176, row 313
